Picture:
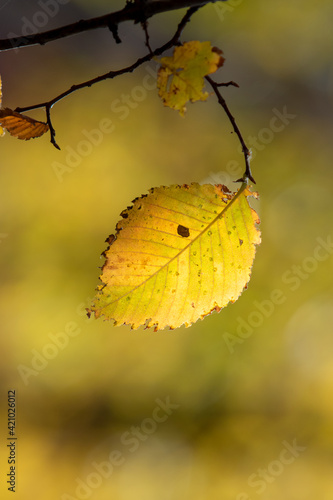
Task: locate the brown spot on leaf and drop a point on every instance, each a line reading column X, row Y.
column 183, row 231
column 142, row 196
column 221, row 59
column 240, row 242
column 110, row 239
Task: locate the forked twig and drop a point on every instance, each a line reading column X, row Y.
column 111, row 74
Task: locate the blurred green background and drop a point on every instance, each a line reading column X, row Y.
column 238, row 406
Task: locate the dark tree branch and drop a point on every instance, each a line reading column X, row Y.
column 138, row 11
column 131, row 12
column 111, row 74
column 246, row 151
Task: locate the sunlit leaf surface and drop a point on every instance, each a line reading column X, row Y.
column 178, row 254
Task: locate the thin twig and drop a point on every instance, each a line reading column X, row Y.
column 144, row 22
column 144, row 25
column 227, row 84
column 245, row 149
column 111, row 74
column 52, row 131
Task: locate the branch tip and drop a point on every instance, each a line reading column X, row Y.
column 114, row 30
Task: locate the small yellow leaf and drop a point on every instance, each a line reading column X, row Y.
column 179, row 253
column 21, row 126
column 181, row 77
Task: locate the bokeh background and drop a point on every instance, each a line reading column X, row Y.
column 237, row 404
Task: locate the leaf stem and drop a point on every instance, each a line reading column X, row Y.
column 246, row 152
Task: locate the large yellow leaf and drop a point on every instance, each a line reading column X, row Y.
column 179, row 253
column 181, row 76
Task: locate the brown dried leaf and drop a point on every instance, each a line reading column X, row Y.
column 21, row 126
